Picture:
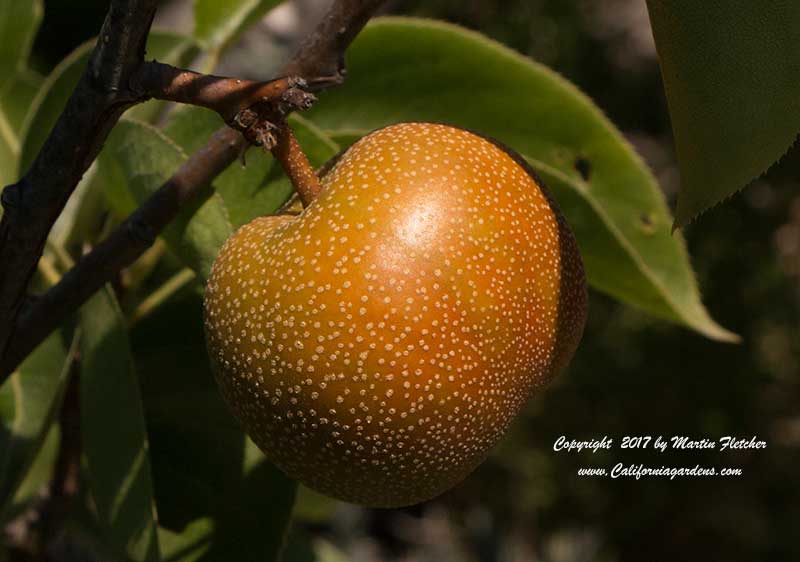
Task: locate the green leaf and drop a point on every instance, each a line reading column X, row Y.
column 189, row 545
column 9, row 148
column 170, row 47
column 301, row 547
column 204, row 466
column 328, row 552
column 260, row 187
column 732, row 75
column 405, row 70
column 29, row 400
column 218, row 24
column 17, row 97
column 50, row 101
column 313, row 507
column 137, row 160
column 38, row 475
column 82, row 216
column 298, row 546
column 113, row 431
column 19, row 22
column 59, row 85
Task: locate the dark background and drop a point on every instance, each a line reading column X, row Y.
column 632, row 375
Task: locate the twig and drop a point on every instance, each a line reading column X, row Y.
column 294, row 161
column 33, row 204
column 123, row 246
column 320, row 59
column 229, row 97
column 319, row 62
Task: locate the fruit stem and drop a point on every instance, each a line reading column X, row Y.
column 295, row 163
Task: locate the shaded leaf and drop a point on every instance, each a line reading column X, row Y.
column 189, row 545
column 298, row 546
column 137, row 160
column 17, row 97
column 327, row 552
column 312, row 506
column 113, row 432
column 19, row 22
column 29, row 400
column 302, row 547
column 204, row 467
column 49, row 102
column 732, row 75
column 405, row 69
column 9, row 149
column 38, row 475
column 82, row 216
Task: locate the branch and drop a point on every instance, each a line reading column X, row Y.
column 230, row 97
column 320, row 58
column 318, row 62
column 123, row 246
column 33, row 204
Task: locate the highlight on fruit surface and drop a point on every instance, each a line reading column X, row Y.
column 377, row 346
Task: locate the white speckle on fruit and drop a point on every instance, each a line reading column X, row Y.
column 417, row 303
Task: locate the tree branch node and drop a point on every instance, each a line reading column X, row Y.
column 260, row 107
column 13, row 198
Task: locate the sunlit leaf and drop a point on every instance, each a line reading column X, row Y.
column 137, row 160
column 406, row 70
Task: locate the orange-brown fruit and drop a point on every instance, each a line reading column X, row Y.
column 376, row 346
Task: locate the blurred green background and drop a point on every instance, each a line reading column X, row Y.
column 632, row 375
